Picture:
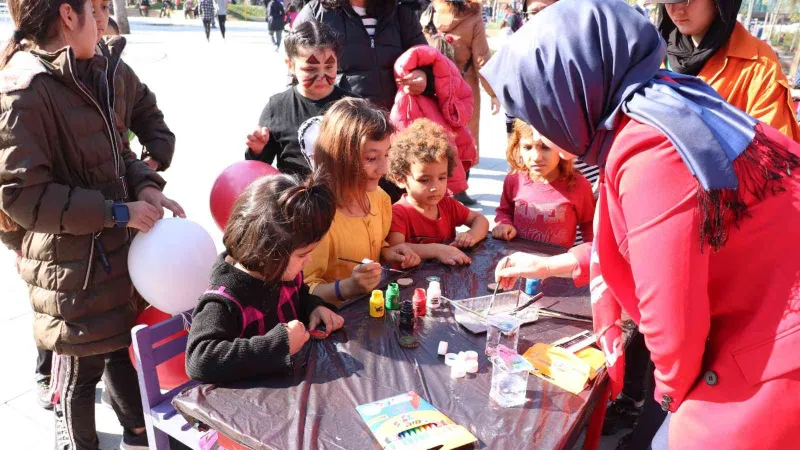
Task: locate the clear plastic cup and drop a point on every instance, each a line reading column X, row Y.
column 509, row 382
column 503, row 330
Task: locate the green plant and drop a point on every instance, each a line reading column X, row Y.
column 254, row 13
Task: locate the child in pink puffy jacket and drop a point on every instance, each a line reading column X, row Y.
column 451, row 107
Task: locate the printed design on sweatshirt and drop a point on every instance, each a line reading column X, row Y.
column 287, row 296
column 543, row 222
column 307, row 135
column 250, row 314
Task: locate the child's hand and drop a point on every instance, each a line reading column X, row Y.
column 365, row 277
column 495, row 106
column 464, row 240
column 452, row 256
column 414, row 83
column 401, row 254
column 143, row 216
column 157, row 198
column 505, row 232
column 152, row 163
column 298, row 336
column 258, row 140
column 324, row 315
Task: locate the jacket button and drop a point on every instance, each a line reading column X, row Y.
column 665, row 405
column 711, row 378
column 667, row 398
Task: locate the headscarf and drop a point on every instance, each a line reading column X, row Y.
column 575, row 68
column 579, row 64
column 682, row 54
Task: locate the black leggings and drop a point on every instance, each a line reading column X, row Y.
column 75, row 425
column 207, row 27
column 222, row 25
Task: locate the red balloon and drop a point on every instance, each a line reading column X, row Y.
column 172, row 372
column 231, row 183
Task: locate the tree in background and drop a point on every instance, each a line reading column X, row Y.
column 121, row 16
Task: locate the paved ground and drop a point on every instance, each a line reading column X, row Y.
column 212, row 95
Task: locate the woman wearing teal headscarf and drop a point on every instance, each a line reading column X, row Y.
column 696, row 231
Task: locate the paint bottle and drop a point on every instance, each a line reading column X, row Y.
column 419, row 302
column 393, row 297
column 376, row 304
column 407, row 316
column 434, row 293
column 532, row 285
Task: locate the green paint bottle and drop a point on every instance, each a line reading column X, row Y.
column 393, row 296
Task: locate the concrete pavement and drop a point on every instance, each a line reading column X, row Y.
column 212, row 95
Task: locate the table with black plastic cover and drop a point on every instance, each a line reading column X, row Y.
column 362, row 363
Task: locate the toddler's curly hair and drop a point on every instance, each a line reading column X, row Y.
column 424, row 141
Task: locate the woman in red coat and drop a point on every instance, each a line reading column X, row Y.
column 697, row 230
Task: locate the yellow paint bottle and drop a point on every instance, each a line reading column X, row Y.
column 376, row 304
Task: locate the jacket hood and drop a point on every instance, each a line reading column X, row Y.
column 29, row 62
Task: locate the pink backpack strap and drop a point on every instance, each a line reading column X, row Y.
column 248, row 314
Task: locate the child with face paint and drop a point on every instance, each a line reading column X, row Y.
column 312, row 53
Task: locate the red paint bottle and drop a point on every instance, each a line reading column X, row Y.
column 419, row 302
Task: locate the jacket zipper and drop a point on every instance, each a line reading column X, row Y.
column 111, row 103
column 114, row 154
column 90, row 265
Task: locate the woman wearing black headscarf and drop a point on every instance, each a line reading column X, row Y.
column 696, row 229
column 705, row 40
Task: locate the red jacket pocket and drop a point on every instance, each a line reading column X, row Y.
column 770, row 359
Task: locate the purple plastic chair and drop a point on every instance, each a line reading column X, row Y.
column 161, row 419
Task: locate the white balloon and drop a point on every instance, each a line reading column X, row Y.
column 171, row 264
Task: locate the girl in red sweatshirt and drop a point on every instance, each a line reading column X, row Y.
column 544, row 198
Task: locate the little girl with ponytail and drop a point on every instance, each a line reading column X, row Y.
column 257, row 312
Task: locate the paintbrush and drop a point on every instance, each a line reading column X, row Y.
column 360, row 262
column 494, row 295
column 528, row 303
column 555, row 315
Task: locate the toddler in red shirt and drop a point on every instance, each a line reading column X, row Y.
column 544, row 198
column 426, row 217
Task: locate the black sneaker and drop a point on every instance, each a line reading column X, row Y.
column 43, row 397
column 465, row 199
column 621, row 414
column 132, row 441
